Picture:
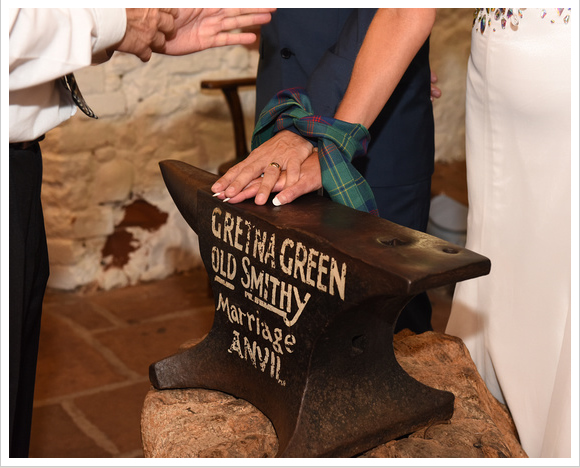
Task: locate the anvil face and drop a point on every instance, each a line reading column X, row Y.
column 307, row 296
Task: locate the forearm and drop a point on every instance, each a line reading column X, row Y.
column 392, row 41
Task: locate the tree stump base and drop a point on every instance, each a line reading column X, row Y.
column 198, row 423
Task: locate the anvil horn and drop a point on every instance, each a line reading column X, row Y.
column 182, row 181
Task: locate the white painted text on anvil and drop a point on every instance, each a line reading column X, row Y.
column 306, row 264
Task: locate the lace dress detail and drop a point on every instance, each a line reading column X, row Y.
column 503, row 18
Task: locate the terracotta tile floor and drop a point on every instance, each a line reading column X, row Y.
column 96, row 348
column 95, row 351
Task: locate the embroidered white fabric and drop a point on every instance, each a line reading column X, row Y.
column 516, row 320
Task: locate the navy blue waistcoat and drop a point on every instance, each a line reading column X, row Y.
column 316, row 49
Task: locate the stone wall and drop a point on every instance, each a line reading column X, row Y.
column 450, row 45
column 110, row 221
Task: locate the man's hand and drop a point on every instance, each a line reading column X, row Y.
column 147, row 30
column 181, row 31
column 201, row 28
column 286, row 149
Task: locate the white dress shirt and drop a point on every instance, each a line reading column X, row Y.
column 45, row 44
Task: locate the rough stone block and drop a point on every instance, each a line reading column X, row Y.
column 94, row 222
column 450, row 44
column 65, row 251
column 113, row 181
column 70, row 277
column 91, row 80
column 64, row 168
column 108, row 104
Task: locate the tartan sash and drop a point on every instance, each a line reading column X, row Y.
column 338, row 143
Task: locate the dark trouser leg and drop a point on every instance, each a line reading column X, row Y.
column 408, row 205
column 28, row 276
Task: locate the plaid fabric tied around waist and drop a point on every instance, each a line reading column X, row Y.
column 338, row 143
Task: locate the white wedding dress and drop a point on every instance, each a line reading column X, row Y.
column 516, row 320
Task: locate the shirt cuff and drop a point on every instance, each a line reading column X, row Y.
column 111, row 24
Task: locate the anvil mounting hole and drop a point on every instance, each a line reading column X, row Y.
column 393, row 242
column 450, row 250
column 359, row 344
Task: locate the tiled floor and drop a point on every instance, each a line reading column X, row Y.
column 95, row 350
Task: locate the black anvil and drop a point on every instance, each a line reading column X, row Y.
column 307, row 296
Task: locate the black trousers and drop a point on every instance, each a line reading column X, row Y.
column 28, row 268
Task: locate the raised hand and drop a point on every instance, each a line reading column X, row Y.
column 147, row 30
column 201, row 28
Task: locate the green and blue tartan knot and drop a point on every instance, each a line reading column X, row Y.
column 338, row 143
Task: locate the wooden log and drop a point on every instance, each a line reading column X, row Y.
column 197, row 423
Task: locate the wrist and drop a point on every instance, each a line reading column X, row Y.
column 308, row 143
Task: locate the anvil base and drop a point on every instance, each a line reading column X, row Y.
column 352, row 397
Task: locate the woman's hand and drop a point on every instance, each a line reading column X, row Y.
column 260, row 173
column 309, row 180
